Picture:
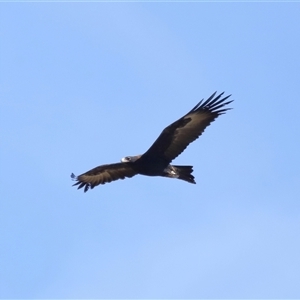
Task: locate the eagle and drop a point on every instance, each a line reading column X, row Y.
column 171, row 142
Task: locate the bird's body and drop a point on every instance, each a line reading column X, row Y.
column 156, row 160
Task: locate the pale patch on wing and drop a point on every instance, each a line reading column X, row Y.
column 183, row 136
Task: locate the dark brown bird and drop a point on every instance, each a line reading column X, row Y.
column 171, row 142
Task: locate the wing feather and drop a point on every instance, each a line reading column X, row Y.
column 176, row 137
column 103, row 174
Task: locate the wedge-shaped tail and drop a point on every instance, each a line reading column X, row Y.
column 180, row 172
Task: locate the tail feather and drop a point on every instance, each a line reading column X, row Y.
column 185, row 173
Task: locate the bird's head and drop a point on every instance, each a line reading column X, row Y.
column 131, row 159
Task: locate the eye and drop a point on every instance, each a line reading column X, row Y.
column 128, row 158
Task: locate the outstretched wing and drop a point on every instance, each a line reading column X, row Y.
column 177, row 136
column 103, row 174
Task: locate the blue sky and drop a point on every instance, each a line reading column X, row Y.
column 84, row 84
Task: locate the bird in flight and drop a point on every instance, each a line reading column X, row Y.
column 156, row 160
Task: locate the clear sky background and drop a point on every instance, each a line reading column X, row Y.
column 84, row 84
